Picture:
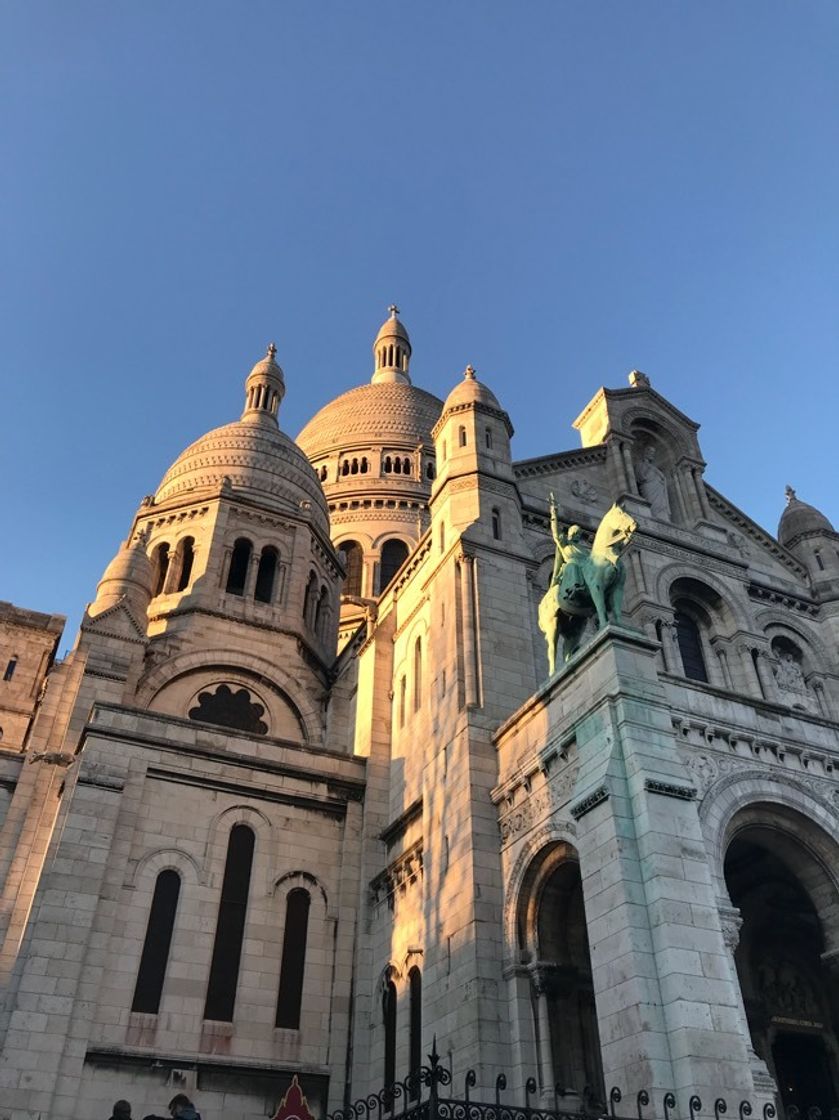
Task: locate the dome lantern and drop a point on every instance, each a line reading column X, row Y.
column 264, row 390
column 392, row 351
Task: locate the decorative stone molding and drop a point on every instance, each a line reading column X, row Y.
column 588, row 803
column 401, row 873
column 731, row 921
column 668, row 789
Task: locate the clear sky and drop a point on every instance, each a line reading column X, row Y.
column 556, row 192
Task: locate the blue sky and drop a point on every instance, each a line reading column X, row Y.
column 556, row 192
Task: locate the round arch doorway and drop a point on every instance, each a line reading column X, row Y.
column 791, row 997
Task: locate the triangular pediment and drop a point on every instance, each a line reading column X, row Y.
column 117, row 621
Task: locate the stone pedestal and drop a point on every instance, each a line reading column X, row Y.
column 669, row 1013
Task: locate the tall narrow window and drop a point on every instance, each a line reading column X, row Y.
column 161, row 567
column 265, row 575
column 311, row 600
column 10, row 668
column 321, row 611
column 394, row 554
column 415, row 1038
column 819, row 560
column 418, row 675
column 239, row 564
column 690, row 647
column 187, row 556
column 403, row 692
column 496, row 525
column 230, row 928
column 293, row 964
column 461, row 436
column 353, row 562
column 488, row 438
column 155, row 956
column 389, row 1020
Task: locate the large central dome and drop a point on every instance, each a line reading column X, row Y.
column 379, row 413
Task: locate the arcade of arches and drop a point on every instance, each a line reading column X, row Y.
column 789, row 907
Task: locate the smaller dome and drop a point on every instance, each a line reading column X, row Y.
column 471, row 391
column 129, row 575
column 392, row 351
column 393, row 328
column 799, row 518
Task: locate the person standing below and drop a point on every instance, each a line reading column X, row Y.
column 180, row 1108
column 121, row 1111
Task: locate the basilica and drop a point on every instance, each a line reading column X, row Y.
column 307, row 799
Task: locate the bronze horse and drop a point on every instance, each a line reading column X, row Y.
column 584, row 582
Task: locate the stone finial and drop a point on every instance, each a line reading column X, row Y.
column 469, row 372
column 638, row 380
column 272, row 351
column 790, row 494
column 394, row 310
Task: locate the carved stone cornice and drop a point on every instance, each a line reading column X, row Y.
column 399, row 874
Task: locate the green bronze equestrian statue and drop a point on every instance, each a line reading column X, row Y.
column 584, row 581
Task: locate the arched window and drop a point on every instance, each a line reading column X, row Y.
column 429, row 471
column 389, row 1021
column 394, row 553
column 418, row 674
column 689, row 638
column 311, row 600
column 345, row 467
column 461, row 436
column 155, row 956
column 496, row 525
column 237, row 573
column 488, row 438
column 324, row 472
column 364, row 465
column 290, row 997
column 161, row 566
column 321, row 610
column 388, row 466
column 353, row 562
column 230, row 928
column 415, row 1036
column 186, row 556
column 406, row 466
column 397, row 465
column 403, row 693
column 10, row 668
column 354, row 467
column 265, row 575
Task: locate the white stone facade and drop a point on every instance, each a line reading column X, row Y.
column 622, row 876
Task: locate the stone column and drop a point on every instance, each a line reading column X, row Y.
column 731, row 921
column 722, row 661
column 766, row 676
column 539, row 981
column 699, row 486
column 750, row 670
column 250, row 579
column 629, row 469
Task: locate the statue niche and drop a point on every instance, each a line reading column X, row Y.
column 652, row 484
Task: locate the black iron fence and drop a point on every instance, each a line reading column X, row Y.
column 418, row 1097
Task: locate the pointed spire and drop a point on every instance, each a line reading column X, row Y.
column 392, row 351
column 264, row 389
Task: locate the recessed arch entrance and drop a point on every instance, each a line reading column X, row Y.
column 789, row 905
column 553, row 939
